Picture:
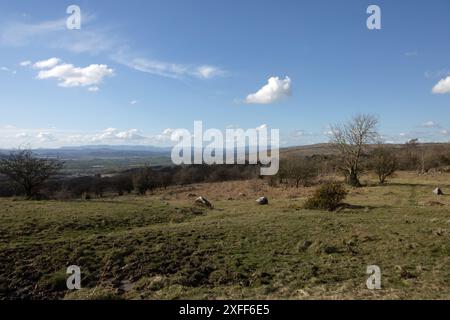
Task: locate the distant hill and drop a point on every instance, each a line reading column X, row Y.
column 101, row 152
column 106, row 158
column 329, row 149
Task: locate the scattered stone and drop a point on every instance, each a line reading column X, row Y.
column 330, row 249
column 262, row 201
column 191, row 195
column 126, row 285
column 241, row 194
column 438, row 192
column 303, row 246
column 203, row 202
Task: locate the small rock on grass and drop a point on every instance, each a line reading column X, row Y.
column 203, row 202
column 263, row 201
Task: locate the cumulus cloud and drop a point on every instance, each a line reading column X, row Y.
column 45, row 64
column 46, row 137
column 275, row 90
column 70, row 76
column 168, row 135
column 111, row 134
column 133, row 102
column 132, row 134
column 443, row 86
column 106, row 134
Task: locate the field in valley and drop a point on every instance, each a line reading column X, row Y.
column 162, row 246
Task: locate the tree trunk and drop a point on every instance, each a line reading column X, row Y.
column 353, row 179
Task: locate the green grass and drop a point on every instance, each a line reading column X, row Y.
column 150, row 248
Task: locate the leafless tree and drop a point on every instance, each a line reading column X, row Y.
column 299, row 170
column 350, row 140
column 383, row 162
column 28, row 171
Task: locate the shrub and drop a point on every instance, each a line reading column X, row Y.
column 327, row 197
column 383, row 162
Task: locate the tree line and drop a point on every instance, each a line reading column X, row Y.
column 357, row 149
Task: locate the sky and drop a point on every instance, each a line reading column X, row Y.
column 137, row 70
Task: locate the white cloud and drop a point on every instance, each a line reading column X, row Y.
column 298, row 133
column 133, row 102
column 167, row 69
column 443, row 86
column 112, row 134
column 275, row 90
column 262, row 127
column 93, row 89
column 131, row 134
column 207, row 72
column 71, row 76
column 430, row 124
column 445, row 132
column 93, row 40
column 46, row 64
column 5, row 69
column 168, row 135
column 105, row 134
column 46, row 137
column 25, row 63
column 22, row 135
column 53, row 33
column 20, row 34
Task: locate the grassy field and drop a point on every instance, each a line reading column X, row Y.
column 163, row 247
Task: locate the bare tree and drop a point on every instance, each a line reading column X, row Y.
column 350, row 139
column 300, row 170
column 383, row 162
column 145, row 180
column 28, row 171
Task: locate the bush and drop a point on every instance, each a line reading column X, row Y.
column 327, row 197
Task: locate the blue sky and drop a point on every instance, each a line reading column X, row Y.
column 139, row 69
